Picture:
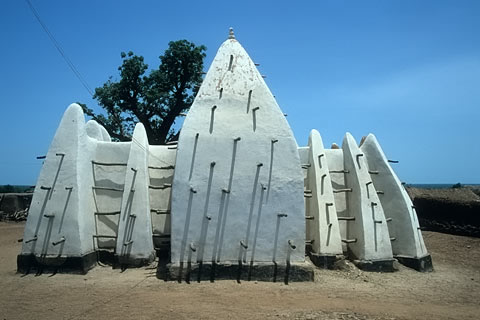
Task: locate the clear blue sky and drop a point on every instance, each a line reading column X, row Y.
column 407, row 71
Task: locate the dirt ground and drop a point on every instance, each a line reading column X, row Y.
column 452, row 291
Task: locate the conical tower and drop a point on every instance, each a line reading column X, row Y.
column 238, row 186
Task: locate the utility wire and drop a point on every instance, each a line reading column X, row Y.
column 60, row 50
column 149, row 152
column 77, row 73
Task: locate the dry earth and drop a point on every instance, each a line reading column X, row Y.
column 452, row 291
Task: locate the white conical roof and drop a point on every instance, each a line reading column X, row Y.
column 236, row 139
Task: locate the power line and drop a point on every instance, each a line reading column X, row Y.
column 60, row 50
column 148, row 151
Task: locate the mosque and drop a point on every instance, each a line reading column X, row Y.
column 235, row 193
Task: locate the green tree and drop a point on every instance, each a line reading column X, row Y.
column 156, row 99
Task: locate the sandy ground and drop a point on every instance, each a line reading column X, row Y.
column 452, row 291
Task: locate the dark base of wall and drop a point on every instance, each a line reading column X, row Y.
column 423, row 264
column 375, row 265
column 130, row 262
column 272, row 272
column 30, row 263
column 122, row 262
column 27, row 263
column 323, row 261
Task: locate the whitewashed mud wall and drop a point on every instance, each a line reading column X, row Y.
column 323, row 231
column 407, row 241
column 376, row 218
column 369, row 240
column 337, row 177
column 109, row 167
column 120, row 191
column 134, row 244
column 238, row 185
column 85, row 185
column 60, row 223
column 161, row 168
column 232, row 191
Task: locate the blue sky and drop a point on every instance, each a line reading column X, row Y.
column 407, row 71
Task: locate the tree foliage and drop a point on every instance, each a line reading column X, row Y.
column 156, row 99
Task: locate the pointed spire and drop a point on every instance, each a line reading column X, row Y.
column 231, row 35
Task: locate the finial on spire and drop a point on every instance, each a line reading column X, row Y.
column 231, row 35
